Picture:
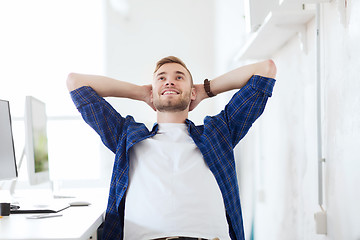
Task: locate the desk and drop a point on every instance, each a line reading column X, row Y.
column 78, row 223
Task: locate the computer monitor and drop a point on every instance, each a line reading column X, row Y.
column 8, row 169
column 36, row 143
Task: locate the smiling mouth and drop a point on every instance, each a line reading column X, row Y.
column 170, row 92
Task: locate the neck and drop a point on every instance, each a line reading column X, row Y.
column 172, row 117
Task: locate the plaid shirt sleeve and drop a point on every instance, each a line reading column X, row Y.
column 221, row 134
column 247, row 105
column 99, row 114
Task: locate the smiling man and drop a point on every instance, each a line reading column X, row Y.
column 177, row 181
column 174, row 95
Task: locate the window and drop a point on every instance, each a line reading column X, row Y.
column 42, row 41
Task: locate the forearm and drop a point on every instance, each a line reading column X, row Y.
column 105, row 86
column 234, row 79
column 238, row 77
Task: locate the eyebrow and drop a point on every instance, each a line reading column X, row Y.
column 177, row 72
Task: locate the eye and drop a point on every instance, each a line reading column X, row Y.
column 161, row 78
column 179, row 77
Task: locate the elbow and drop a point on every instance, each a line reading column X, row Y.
column 266, row 68
column 270, row 69
column 72, row 81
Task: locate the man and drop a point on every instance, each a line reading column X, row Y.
column 177, row 180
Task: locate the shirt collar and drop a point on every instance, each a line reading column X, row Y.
column 188, row 122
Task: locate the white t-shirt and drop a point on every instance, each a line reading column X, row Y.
column 172, row 191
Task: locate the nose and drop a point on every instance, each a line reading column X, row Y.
column 169, row 83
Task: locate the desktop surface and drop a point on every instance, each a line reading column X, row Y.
column 75, row 222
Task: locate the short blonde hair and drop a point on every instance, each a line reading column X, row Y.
column 172, row 59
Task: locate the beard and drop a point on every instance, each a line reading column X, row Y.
column 172, row 105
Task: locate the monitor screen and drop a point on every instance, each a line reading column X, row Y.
column 36, row 141
column 8, row 168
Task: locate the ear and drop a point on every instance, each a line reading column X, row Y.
column 193, row 93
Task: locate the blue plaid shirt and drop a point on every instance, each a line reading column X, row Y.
column 216, row 140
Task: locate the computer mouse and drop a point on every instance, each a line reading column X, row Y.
column 79, row 203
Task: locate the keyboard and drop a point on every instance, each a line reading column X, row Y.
column 39, row 208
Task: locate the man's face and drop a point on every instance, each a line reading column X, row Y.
column 172, row 90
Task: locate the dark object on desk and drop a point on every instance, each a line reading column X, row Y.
column 4, row 209
column 14, row 207
column 51, row 208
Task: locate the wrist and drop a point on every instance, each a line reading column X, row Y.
column 200, row 92
column 207, row 88
column 144, row 93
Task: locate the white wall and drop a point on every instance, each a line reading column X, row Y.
column 278, row 158
column 342, row 122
